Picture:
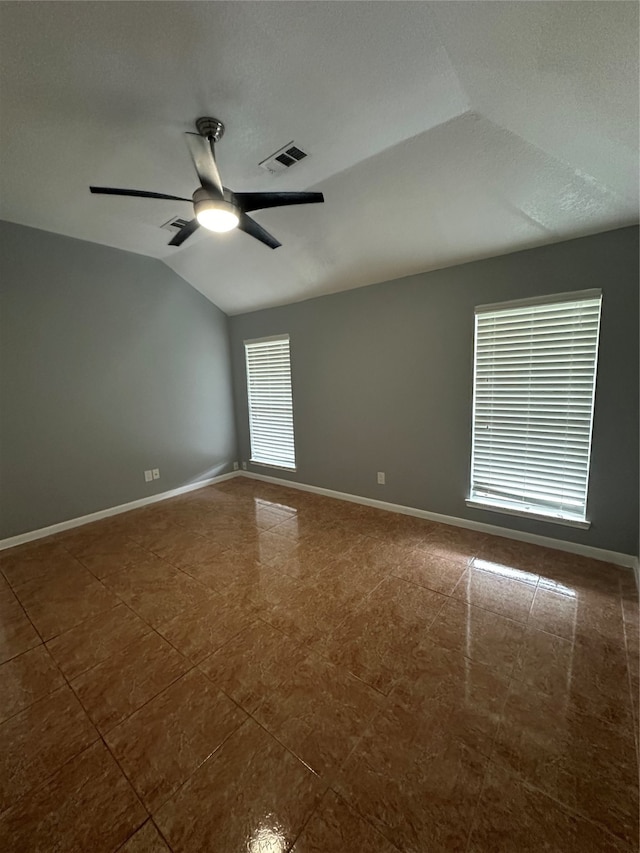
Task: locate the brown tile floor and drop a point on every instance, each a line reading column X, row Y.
column 252, row 669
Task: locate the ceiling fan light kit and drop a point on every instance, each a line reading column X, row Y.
column 216, row 207
column 214, row 213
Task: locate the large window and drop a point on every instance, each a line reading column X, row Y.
column 270, row 403
column 533, row 395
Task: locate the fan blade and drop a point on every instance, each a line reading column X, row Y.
column 260, row 201
column 251, row 227
column 184, row 233
column 136, row 193
column 201, row 150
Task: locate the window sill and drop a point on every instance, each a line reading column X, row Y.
column 271, row 465
column 565, row 522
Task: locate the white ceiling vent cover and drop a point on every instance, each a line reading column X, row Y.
column 175, row 224
column 284, row 158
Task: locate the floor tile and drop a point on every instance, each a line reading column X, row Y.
column 96, row 639
column 544, row 661
column 335, row 828
column 374, row 642
column 565, row 572
column 26, row 678
column 432, row 571
column 453, row 542
column 115, row 688
column 253, row 664
column 163, row 743
column 313, row 608
column 106, row 557
column 585, row 672
column 418, row 790
column 554, row 613
column 599, row 615
column 305, row 563
column 35, row 743
column 56, row 605
column 512, row 554
column 146, row 840
column 157, row 592
column 319, row 712
column 479, row 634
column 272, row 548
column 34, row 560
column 87, row 805
column 200, row 630
column 183, row 549
column 493, row 587
column 511, row 817
column 450, row 695
column 17, row 633
column 578, row 760
column 250, row 795
column 233, row 565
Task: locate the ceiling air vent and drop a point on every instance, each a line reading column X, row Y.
column 284, row 158
column 176, row 224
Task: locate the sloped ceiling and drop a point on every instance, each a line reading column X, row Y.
column 438, row 132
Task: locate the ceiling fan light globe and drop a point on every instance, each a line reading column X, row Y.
column 217, row 219
column 216, row 214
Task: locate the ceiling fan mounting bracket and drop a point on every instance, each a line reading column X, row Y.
column 210, row 128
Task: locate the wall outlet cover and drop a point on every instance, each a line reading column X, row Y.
column 148, row 476
column 381, row 478
column 244, row 466
column 156, row 473
column 235, row 466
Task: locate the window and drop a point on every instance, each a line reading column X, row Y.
column 270, row 403
column 533, row 394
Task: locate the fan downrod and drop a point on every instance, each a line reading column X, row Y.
column 210, row 128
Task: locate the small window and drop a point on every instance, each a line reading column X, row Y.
column 270, row 403
column 533, row 395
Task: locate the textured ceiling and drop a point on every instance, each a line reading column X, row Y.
column 438, row 132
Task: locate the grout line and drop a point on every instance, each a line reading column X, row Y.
column 631, row 698
column 476, row 808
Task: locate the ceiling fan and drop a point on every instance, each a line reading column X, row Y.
column 216, row 207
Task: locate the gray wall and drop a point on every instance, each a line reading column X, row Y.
column 109, row 364
column 382, row 380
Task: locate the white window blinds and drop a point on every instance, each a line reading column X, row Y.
column 534, row 384
column 270, row 403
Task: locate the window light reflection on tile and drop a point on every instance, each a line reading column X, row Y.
column 267, row 839
column 555, row 586
column 505, row 571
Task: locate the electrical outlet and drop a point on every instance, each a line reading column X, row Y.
column 148, row 476
column 235, row 466
column 244, row 466
column 381, row 478
column 156, row 473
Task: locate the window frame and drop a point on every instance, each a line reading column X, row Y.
column 261, row 462
column 535, row 513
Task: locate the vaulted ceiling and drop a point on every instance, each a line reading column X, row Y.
column 439, row 132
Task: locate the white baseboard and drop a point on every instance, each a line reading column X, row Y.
column 626, row 560
column 32, row 535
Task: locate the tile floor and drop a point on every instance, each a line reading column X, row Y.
column 252, row 669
